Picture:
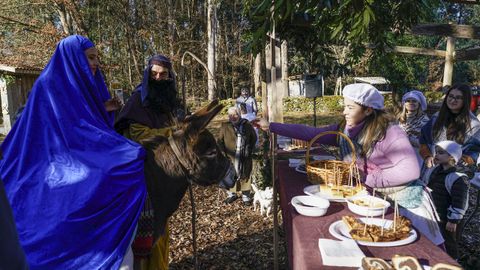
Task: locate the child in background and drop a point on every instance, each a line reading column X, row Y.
column 449, row 189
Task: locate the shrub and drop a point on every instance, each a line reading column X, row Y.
column 324, row 104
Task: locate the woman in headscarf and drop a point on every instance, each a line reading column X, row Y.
column 413, row 118
column 75, row 185
column 151, row 111
column 385, row 157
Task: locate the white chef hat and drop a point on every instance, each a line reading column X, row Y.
column 453, row 149
column 418, row 96
column 364, row 94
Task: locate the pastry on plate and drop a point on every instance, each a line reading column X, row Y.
column 406, row 263
column 369, row 263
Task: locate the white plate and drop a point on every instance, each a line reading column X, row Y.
column 340, row 231
column 301, row 169
column 425, row 267
column 314, row 190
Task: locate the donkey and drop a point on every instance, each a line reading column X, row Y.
column 190, row 155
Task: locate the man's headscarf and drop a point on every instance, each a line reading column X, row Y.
column 153, row 103
column 159, row 60
column 75, row 185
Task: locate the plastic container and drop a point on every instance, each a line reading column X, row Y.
column 371, row 206
column 311, row 206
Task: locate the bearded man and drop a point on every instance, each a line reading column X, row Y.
column 150, row 112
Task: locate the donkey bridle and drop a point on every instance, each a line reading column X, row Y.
column 187, row 169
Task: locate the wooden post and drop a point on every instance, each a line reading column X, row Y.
column 449, row 60
column 274, row 82
column 273, row 149
column 284, row 60
column 257, row 80
column 268, row 79
column 272, row 85
column 6, row 105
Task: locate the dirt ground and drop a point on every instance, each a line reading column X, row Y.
column 235, row 237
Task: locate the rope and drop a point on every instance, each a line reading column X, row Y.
column 194, row 233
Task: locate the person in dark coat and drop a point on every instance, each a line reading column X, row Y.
column 449, row 184
column 237, row 139
column 151, row 111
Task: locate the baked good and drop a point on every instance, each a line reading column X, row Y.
column 352, row 223
column 361, row 235
column 369, row 263
column 445, row 266
column 406, row 263
column 374, row 233
column 299, row 144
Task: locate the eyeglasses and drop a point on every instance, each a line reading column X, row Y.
column 452, row 97
column 411, row 100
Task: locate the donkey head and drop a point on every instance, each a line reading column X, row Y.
column 197, row 155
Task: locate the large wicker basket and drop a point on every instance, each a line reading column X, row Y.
column 332, row 172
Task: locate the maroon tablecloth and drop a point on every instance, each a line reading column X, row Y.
column 302, row 232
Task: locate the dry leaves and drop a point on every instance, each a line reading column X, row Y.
column 228, row 236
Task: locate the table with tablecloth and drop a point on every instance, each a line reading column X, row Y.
column 302, row 232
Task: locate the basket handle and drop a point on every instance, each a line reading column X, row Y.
column 321, row 134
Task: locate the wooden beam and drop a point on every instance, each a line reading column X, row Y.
column 421, row 51
column 451, row 30
column 449, row 60
column 412, row 50
column 468, row 2
column 468, row 54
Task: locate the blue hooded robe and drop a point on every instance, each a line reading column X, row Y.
column 76, row 187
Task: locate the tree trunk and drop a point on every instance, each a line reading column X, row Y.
column 257, row 77
column 171, row 26
column 211, row 32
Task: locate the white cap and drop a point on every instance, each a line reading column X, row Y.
column 364, row 94
column 453, row 149
column 418, row 96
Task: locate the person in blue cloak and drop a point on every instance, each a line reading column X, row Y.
column 76, row 186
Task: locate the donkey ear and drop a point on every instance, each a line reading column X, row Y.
column 199, row 121
column 206, row 109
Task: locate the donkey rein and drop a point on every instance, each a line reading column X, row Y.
column 186, row 168
column 194, row 233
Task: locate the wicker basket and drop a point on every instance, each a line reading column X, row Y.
column 332, row 172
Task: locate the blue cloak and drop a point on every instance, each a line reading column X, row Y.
column 76, row 187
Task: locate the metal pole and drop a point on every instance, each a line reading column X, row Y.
column 273, row 148
column 314, row 111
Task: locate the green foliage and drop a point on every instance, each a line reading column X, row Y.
column 326, row 104
column 9, row 79
column 347, row 22
column 433, row 97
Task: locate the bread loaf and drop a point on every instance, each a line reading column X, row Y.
column 406, row 263
column 369, row 263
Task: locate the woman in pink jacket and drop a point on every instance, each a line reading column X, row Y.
column 385, row 156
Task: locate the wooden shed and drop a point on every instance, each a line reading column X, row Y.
column 15, row 84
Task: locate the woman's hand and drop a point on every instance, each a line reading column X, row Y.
column 262, row 124
column 429, row 162
column 113, row 104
